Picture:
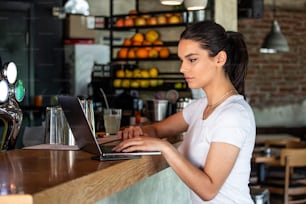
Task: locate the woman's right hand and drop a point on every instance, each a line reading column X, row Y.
column 130, row 132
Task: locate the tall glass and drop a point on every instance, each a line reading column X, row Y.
column 112, row 120
column 54, row 132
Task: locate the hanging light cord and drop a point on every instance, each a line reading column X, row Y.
column 274, row 10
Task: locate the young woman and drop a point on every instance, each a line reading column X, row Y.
column 213, row 159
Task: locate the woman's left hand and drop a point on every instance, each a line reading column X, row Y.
column 130, row 132
column 144, row 143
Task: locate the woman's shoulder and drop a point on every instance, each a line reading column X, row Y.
column 195, row 102
column 236, row 109
column 236, row 102
column 194, row 108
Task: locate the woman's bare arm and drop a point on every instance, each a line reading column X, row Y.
column 171, row 126
column 207, row 181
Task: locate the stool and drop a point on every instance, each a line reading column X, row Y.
column 260, row 195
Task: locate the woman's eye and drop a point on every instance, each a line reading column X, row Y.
column 192, row 59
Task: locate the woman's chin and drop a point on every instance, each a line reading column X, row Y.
column 192, row 86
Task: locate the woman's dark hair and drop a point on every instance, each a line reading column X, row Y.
column 214, row 38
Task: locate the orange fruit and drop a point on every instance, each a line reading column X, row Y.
column 151, row 35
column 152, row 20
column 158, row 42
column 153, row 53
column 174, row 19
column 146, row 16
column 140, row 21
column 127, row 42
column 168, row 14
column 120, row 73
column 136, row 43
column 119, row 22
column 147, row 45
column 144, row 43
column 138, row 37
column 122, row 53
column 129, row 22
column 133, row 13
column 131, row 53
column 142, row 53
column 164, row 52
column 162, row 19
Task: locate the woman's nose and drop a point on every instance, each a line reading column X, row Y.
column 182, row 68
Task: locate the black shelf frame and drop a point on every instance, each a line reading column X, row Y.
column 170, row 58
column 128, row 28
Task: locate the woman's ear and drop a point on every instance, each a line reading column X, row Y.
column 221, row 57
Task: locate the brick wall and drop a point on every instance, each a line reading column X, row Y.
column 276, row 79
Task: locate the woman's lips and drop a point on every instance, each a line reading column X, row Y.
column 188, row 79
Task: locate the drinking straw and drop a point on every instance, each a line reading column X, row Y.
column 105, row 99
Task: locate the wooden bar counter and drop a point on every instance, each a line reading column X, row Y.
column 61, row 176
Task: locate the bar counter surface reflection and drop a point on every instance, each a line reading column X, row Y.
column 66, row 176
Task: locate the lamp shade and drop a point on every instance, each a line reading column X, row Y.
column 9, row 72
column 171, row 2
column 275, row 41
column 4, row 91
column 77, row 7
column 195, row 4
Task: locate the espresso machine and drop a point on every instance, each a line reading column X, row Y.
column 12, row 91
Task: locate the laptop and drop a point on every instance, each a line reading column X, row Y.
column 84, row 136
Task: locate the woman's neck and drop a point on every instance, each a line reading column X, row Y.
column 217, row 98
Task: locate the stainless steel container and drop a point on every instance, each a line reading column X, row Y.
column 182, row 103
column 157, row 109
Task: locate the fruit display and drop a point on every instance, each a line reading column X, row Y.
column 137, row 78
column 143, row 45
column 149, row 42
column 134, row 20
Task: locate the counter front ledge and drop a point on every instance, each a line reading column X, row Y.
column 53, row 176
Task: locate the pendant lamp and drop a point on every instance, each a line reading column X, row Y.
column 195, row 4
column 275, row 41
column 171, row 2
column 77, row 7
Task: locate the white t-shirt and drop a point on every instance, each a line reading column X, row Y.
column 231, row 122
